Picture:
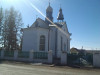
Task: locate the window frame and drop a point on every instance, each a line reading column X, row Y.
column 42, row 43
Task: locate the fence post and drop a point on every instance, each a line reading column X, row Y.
column 15, row 54
column 96, row 59
column 63, row 58
column 2, row 54
column 50, row 57
column 31, row 55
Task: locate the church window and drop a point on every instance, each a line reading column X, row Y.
column 42, row 42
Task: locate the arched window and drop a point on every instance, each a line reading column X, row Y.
column 42, row 43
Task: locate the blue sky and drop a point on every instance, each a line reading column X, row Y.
column 82, row 17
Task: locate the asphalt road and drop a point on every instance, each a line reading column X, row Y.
column 20, row 69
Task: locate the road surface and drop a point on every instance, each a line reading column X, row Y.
column 22, row 69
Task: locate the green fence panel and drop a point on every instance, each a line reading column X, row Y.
column 89, row 58
column 9, row 53
column 40, row 55
column 23, row 54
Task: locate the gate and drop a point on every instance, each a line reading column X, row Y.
column 80, row 59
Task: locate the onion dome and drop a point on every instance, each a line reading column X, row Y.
column 49, row 8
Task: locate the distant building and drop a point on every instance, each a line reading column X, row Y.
column 45, row 35
column 83, row 51
column 74, row 50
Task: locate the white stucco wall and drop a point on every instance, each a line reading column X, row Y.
column 42, row 31
column 31, row 38
column 65, row 40
column 96, row 59
column 52, row 40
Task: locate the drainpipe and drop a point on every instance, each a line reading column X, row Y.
column 56, row 35
column 48, row 38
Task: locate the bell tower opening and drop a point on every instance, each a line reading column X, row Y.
column 60, row 16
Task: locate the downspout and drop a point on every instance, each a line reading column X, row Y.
column 56, row 44
column 48, row 38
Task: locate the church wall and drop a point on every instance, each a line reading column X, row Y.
column 42, row 31
column 65, row 28
column 65, row 41
column 40, row 23
column 31, row 39
column 52, row 39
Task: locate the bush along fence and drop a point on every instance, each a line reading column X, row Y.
column 31, row 56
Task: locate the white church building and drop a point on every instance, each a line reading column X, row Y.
column 45, row 35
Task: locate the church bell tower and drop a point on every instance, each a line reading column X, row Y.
column 49, row 16
column 60, row 16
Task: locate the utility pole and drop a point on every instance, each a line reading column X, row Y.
column 82, row 47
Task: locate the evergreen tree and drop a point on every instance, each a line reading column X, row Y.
column 11, row 29
column 1, row 25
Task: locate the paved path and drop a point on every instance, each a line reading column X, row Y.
column 8, row 69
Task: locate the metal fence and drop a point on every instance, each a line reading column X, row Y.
column 80, row 59
column 40, row 55
column 23, row 54
column 8, row 53
column 26, row 56
column 0, row 52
